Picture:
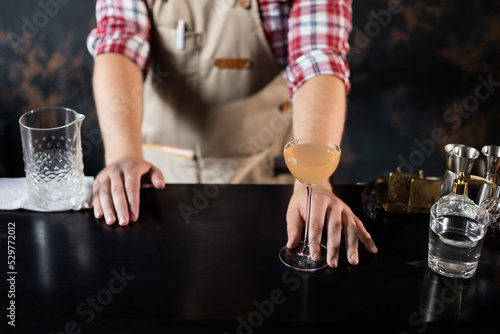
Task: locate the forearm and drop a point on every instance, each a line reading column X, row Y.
column 117, row 83
column 319, row 110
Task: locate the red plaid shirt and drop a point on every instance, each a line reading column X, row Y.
column 307, row 37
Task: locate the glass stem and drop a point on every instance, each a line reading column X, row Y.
column 305, row 248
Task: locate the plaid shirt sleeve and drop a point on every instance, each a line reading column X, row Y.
column 123, row 27
column 318, row 40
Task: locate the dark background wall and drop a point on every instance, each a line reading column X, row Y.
column 44, row 61
column 424, row 74
column 418, row 74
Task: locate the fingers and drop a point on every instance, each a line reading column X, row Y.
column 132, row 190
column 157, row 178
column 113, row 198
column 339, row 219
column 334, row 230
column 294, row 223
column 349, row 224
column 117, row 188
column 318, row 208
column 102, row 200
column 96, row 202
column 366, row 238
column 354, row 231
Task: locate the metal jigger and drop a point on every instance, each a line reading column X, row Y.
column 491, row 155
column 459, row 158
column 492, row 204
column 449, row 175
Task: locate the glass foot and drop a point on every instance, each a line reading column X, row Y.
column 295, row 259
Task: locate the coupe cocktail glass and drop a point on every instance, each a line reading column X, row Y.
column 310, row 162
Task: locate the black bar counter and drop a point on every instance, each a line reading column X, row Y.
column 204, row 259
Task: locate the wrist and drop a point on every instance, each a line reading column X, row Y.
column 113, row 156
column 325, row 186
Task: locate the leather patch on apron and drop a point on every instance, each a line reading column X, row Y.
column 244, row 3
column 232, row 63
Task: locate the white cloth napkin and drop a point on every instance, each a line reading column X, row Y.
column 14, row 195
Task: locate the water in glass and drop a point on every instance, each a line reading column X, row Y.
column 455, row 244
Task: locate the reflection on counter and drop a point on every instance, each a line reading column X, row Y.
column 80, row 244
column 442, row 299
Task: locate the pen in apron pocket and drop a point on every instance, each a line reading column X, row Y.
column 181, row 26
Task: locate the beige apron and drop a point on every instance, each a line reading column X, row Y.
column 213, row 103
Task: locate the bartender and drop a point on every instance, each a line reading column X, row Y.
column 198, row 91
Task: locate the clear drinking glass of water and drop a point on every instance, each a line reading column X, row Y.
column 456, row 234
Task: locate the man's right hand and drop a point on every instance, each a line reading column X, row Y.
column 116, row 191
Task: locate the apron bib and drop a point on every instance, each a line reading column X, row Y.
column 215, row 101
